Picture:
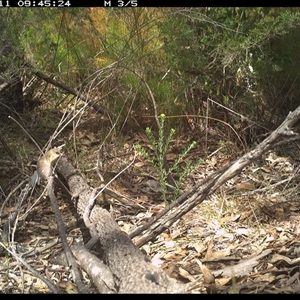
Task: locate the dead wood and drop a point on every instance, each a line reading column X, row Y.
column 244, row 267
column 191, row 198
column 132, row 271
column 97, row 270
column 63, row 236
column 70, row 90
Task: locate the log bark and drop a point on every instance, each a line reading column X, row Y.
column 131, row 269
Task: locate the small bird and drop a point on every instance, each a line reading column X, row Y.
column 45, row 163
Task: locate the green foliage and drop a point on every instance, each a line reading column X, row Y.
column 187, row 169
column 245, row 58
column 160, row 146
column 133, row 38
column 235, row 55
column 10, row 48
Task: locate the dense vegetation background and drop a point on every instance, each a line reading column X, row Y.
column 96, row 78
column 235, row 70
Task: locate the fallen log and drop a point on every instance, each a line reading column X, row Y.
column 130, row 268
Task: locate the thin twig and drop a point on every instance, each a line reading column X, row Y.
column 50, row 285
column 25, row 131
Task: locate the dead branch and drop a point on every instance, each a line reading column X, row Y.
column 70, row 90
column 97, row 270
column 200, row 192
column 62, row 233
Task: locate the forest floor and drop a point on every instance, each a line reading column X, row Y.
column 243, row 239
column 245, row 235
